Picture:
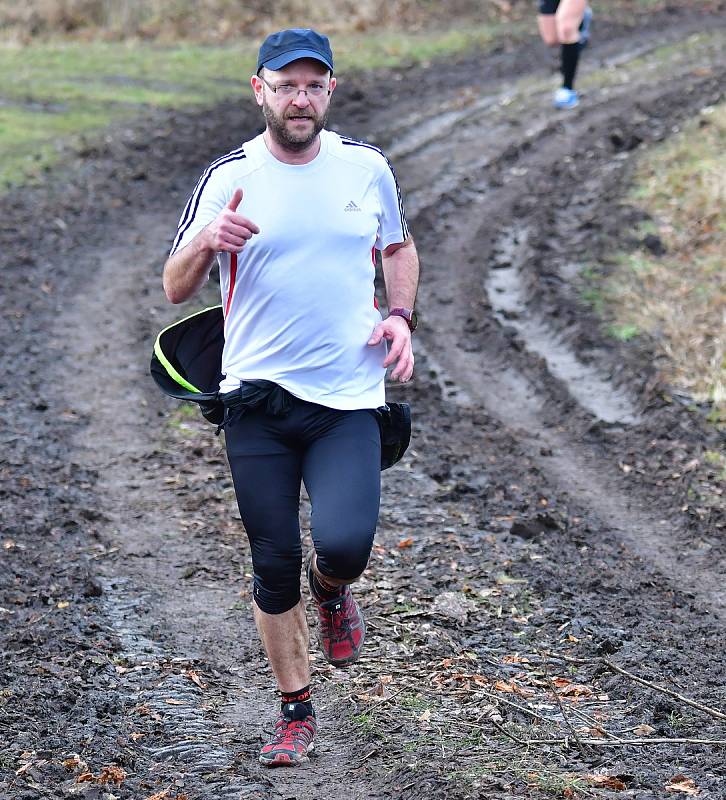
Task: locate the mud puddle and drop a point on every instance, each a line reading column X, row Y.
column 508, row 297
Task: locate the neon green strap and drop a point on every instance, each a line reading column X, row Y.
column 173, row 374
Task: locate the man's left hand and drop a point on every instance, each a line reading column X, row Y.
column 395, row 330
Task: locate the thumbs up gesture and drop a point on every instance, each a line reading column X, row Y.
column 230, row 231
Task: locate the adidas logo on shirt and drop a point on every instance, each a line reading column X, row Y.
column 352, row 207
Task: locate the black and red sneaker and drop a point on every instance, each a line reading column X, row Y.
column 292, row 738
column 342, row 629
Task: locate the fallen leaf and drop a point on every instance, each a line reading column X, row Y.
column 109, row 774
column 505, row 686
column 405, row 542
column 193, row 676
column 162, row 795
column 606, row 782
column 112, row 774
column 643, row 730
column 136, row 736
column 515, row 660
column 682, row 784
column 566, row 688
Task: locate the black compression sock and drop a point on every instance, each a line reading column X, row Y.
column 570, row 54
column 301, row 697
column 323, row 591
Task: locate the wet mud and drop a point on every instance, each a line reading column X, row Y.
column 554, row 521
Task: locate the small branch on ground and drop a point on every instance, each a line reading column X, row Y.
column 700, row 706
column 565, row 716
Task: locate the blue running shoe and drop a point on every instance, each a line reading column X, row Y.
column 566, row 98
column 585, row 27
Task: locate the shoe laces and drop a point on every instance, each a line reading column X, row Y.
column 336, row 621
column 294, row 731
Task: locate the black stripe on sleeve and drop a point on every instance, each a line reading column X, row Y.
column 192, row 205
column 353, row 143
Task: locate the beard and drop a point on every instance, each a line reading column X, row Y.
column 294, row 141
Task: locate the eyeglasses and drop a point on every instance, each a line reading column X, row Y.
column 290, row 90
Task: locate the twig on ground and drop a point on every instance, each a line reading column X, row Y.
column 594, row 724
column 607, row 742
column 565, row 716
column 628, row 742
column 568, row 659
column 359, row 761
column 700, row 706
column 523, row 709
column 509, row 735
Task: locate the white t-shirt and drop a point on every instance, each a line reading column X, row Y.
column 299, row 299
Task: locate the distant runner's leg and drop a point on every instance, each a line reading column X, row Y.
column 546, row 22
column 567, row 20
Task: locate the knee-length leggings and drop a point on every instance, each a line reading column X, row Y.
column 337, row 454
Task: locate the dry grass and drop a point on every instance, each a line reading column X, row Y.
column 222, row 20
column 680, row 297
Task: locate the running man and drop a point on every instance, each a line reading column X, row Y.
column 292, row 218
column 565, row 23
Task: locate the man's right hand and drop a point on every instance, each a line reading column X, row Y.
column 230, row 231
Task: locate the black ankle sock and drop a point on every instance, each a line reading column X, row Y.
column 302, row 697
column 323, row 591
column 570, row 53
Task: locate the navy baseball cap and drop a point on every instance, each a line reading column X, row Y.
column 280, row 49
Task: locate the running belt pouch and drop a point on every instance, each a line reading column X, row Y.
column 394, row 420
column 187, row 364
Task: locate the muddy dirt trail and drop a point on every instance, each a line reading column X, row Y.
column 544, row 528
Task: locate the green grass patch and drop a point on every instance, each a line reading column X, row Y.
column 186, row 420
column 624, row 333
column 704, row 46
column 679, row 298
column 59, row 90
column 560, row 784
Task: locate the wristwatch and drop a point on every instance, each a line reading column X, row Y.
column 408, row 314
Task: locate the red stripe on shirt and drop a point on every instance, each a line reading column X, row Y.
column 373, row 259
column 232, row 279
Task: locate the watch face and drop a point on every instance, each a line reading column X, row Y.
column 413, row 321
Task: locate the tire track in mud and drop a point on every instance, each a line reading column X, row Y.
column 480, row 270
column 161, row 622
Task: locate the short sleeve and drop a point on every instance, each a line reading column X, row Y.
column 209, row 197
column 393, row 228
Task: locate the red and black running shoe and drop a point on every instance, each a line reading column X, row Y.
column 292, row 738
column 342, row 629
